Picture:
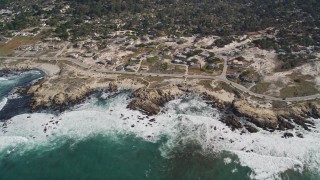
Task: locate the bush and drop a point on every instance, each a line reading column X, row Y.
column 164, row 66
column 153, row 59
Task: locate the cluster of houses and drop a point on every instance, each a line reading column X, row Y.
column 4, row 39
column 187, row 57
column 53, row 39
column 25, row 34
column 236, row 63
column 65, row 8
column 6, row 15
column 37, row 47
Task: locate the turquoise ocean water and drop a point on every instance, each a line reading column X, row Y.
column 101, row 139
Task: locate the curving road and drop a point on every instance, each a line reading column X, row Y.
column 222, row 77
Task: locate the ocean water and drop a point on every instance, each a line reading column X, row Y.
column 102, row 139
column 11, row 103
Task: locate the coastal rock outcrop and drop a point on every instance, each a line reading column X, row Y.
column 233, row 123
column 264, row 118
column 149, row 100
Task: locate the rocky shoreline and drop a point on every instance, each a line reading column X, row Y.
column 72, row 86
column 235, row 115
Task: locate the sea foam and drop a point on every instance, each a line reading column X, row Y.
column 3, row 102
column 182, row 121
column 3, row 79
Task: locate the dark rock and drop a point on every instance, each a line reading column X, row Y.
column 149, row 101
column 152, row 120
column 299, row 135
column 283, row 124
column 301, row 121
column 251, row 129
column 112, row 87
column 233, row 123
column 144, row 105
column 287, row 135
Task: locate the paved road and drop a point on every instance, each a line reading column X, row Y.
column 225, row 68
column 222, row 77
column 63, row 49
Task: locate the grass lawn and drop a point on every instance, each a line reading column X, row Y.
column 153, row 59
column 302, row 85
column 7, row 49
column 261, row 88
column 301, row 90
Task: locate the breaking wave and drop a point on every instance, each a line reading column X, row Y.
column 3, row 102
column 182, row 122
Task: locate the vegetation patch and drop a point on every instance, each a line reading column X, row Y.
column 206, row 84
column 305, row 89
column 261, row 88
column 153, row 59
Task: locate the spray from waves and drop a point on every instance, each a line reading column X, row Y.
column 267, row 154
column 185, row 123
column 3, row 79
column 3, row 102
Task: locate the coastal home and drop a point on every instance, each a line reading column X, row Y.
column 111, row 62
column 96, row 56
column 237, row 62
column 195, row 65
column 166, row 53
column 73, row 55
column 249, row 79
column 145, row 56
column 132, row 68
column 205, row 54
column 88, row 54
column 180, row 56
column 144, row 38
column 177, row 61
column 186, row 50
column 120, row 68
column 191, row 63
column 5, row 12
column 211, row 66
column 128, row 42
column 89, row 45
column 24, row 48
column 52, row 47
column 227, row 53
column 233, row 76
column 64, row 8
column 144, row 68
column 100, row 62
column 134, row 59
column 54, row 39
column 120, row 41
column 133, row 49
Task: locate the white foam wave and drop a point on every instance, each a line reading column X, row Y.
column 3, row 102
column 3, row 79
column 268, row 167
column 184, row 121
